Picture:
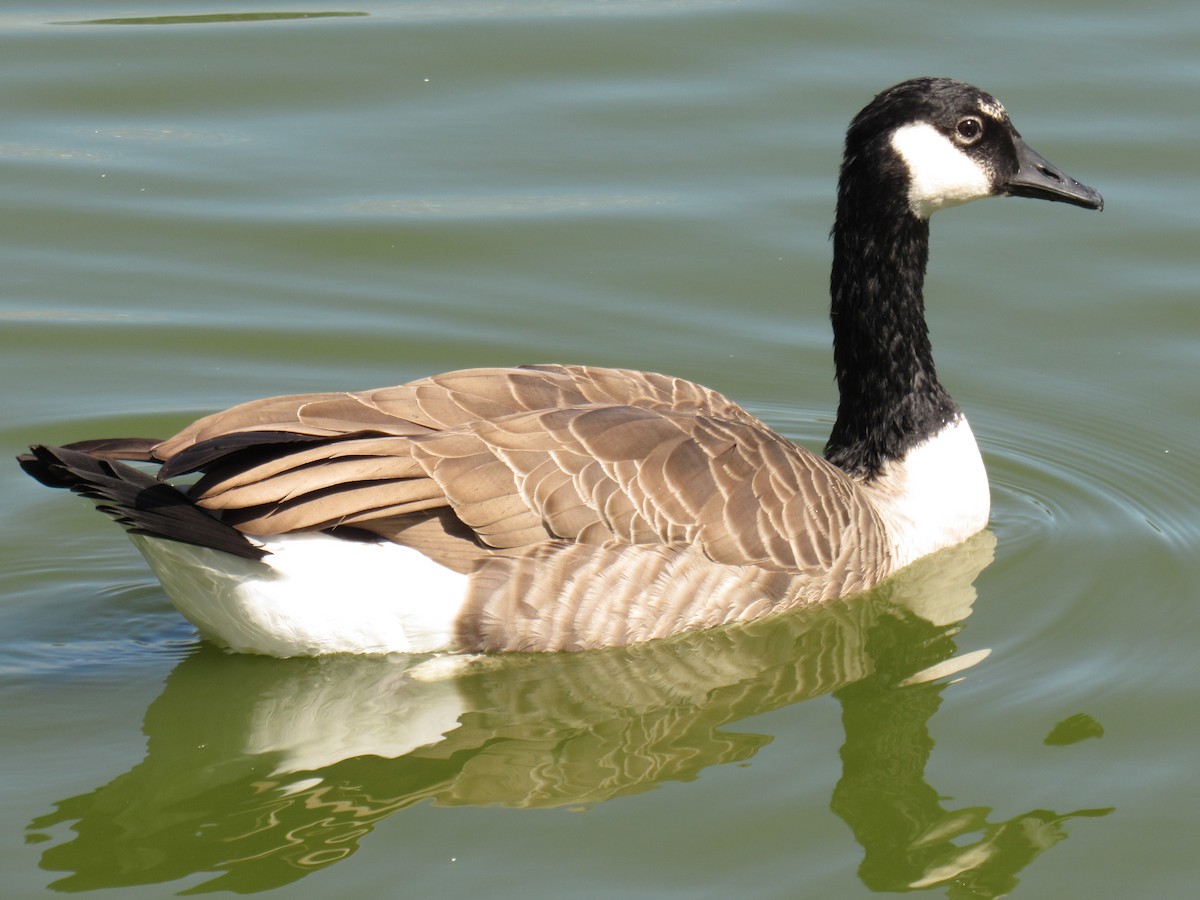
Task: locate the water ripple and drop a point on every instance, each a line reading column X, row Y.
column 218, row 18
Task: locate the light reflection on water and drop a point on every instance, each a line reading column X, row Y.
column 308, row 756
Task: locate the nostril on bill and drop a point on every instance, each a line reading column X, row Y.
column 1050, row 173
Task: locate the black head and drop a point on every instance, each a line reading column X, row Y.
column 941, row 142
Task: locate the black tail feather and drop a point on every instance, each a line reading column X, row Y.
column 241, row 449
column 139, row 502
column 133, row 449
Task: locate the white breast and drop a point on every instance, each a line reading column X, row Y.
column 936, row 496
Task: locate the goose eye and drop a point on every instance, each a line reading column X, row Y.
column 968, row 130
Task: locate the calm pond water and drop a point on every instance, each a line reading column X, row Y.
column 209, row 202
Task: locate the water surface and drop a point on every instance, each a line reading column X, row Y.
column 206, row 203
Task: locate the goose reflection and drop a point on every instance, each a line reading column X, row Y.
column 262, row 770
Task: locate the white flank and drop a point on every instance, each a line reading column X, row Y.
column 936, row 496
column 314, row 594
column 941, row 174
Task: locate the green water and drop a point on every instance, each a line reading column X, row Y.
column 204, row 203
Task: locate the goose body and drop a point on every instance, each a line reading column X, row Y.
column 568, row 507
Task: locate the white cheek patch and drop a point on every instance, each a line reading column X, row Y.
column 940, row 173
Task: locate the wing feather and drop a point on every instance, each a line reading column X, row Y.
column 525, row 456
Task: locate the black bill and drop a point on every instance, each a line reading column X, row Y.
column 1038, row 177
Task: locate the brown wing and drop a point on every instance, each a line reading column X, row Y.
column 444, row 401
column 500, row 461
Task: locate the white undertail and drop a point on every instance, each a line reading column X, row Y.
column 313, row 594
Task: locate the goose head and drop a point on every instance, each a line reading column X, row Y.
column 936, row 142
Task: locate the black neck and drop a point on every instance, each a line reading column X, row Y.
column 890, row 397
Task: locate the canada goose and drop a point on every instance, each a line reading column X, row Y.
column 566, row 507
